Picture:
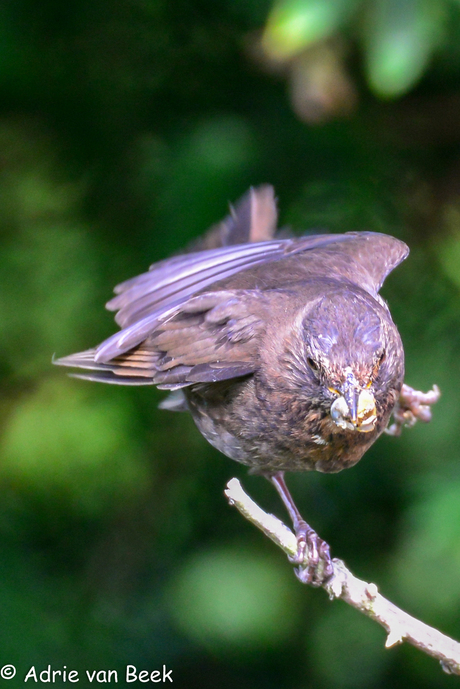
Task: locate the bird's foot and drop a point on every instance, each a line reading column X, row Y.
column 412, row 406
column 313, row 557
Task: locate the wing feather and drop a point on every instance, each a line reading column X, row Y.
column 199, row 317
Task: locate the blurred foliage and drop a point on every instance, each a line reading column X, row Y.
column 125, row 129
column 234, row 597
column 398, row 38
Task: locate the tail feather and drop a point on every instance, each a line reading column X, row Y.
column 120, row 371
column 112, row 379
column 81, row 360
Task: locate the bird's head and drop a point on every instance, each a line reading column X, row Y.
column 353, row 357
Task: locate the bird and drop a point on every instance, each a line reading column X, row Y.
column 280, row 347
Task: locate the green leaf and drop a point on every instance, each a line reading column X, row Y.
column 400, row 39
column 293, row 25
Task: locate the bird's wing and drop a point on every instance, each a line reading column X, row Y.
column 210, row 337
column 253, row 218
column 169, row 333
column 363, row 258
column 213, row 257
column 172, row 281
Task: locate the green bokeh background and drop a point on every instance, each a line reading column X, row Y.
column 125, row 129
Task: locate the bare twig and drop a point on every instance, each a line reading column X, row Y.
column 363, row 596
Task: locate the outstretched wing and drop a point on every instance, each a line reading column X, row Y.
column 211, row 337
column 143, row 302
column 198, row 317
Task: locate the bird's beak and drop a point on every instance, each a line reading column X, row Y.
column 351, row 397
column 355, row 408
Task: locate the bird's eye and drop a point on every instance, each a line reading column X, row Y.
column 383, row 356
column 312, row 363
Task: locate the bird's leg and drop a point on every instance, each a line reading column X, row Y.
column 412, row 406
column 319, row 567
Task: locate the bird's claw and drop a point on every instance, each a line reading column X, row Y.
column 412, row 406
column 313, row 558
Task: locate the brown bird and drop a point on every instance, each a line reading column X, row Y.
column 280, row 348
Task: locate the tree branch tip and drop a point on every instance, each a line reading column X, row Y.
column 449, row 668
column 233, row 486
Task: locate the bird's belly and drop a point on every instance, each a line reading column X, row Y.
column 269, row 443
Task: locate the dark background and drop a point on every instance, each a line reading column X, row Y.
column 126, row 127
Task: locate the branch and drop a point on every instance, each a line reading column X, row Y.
column 363, row 596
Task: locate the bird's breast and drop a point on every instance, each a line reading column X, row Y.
column 274, row 430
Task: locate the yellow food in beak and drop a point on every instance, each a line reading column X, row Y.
column 355, row 410
column 367, row 412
